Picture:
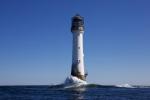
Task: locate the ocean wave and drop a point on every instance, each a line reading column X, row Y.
column 125, row 86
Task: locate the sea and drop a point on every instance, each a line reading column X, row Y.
column 83, row 92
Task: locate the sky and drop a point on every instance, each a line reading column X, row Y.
column 36, row 42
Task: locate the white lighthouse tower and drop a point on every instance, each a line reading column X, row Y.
column 77, row 30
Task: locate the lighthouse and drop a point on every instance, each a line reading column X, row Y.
column 77, row 30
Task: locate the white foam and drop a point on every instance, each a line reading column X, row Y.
column 124, row 85
column 73, row 81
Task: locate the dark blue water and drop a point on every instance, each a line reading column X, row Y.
column 58, row 92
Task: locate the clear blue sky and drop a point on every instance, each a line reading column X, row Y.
column 36, row 42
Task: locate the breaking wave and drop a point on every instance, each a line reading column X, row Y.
column 73, row 81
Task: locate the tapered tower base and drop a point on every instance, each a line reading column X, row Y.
column 77, row 74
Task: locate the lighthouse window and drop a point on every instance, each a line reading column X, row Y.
column 78, row 61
